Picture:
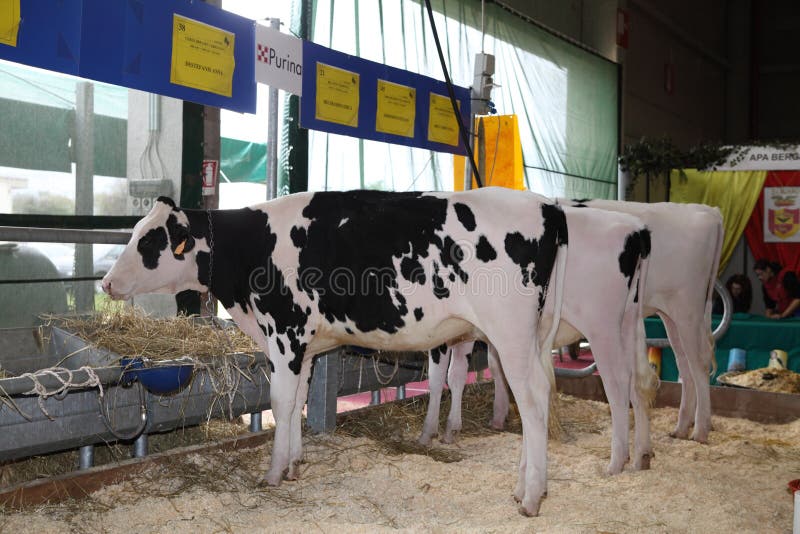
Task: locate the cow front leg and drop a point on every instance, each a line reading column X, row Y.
column 296, row 433
column 436, row 374
column 283, row 392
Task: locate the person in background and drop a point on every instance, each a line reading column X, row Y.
column 781, row 289
column 741, row 292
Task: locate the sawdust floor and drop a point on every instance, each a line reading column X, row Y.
column 737, row 483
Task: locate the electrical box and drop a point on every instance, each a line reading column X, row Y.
column 143, row 193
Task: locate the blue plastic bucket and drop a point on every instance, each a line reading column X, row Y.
column 737, row 360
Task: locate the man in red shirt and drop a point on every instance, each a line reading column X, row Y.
column 781, row 289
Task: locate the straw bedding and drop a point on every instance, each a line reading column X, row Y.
column 357, row 480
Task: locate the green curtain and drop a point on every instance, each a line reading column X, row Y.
column 565, row 97
column 734, row 192
column 243, row 161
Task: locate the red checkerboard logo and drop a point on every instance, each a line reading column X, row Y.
column 262, row 53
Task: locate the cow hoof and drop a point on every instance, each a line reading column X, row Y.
column 679, row 434
column 643, row 462
column 293, row 471
column 450, row 436
column 700, row 436
column 425, row 441
column 530, row 509
column 268, row 482
column 500, row 426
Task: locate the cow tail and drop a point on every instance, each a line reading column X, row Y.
column 647, row 380
column 712, row 277
column 557, row 283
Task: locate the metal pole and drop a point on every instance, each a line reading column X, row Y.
column 25, row 234
column 323, row 391
column 140, row 446
column 272, row 134
column 87, row 457
column 84, row 188
column 401, row 392
column 376, row 397
column 255, row 422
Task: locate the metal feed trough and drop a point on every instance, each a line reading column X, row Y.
column 35, row 420
column 51, row 359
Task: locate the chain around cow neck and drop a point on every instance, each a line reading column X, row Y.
column 210, row 258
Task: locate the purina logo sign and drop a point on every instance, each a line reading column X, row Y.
column 279, row 60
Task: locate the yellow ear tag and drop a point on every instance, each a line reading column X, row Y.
column 179, row 248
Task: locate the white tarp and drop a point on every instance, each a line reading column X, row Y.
column 279, row 60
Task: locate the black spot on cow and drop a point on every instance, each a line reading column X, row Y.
column 580, row 202
column 438, row 352
column 418, row 314
column 298, row 235
column 452, row 255
column 401, row 300
column 465, row 215
column 381, row 227
column 484, row 251
column 348, row 330
column 538, row 255
column 281, row 348
column 439, row 289
column 412, row 270
column 271, row 366
column 637, row 246
column 179, row 233
column 269, row 328
column 150, row 246
column 263, row 329
column 242, row 266
column 452, row 277
column 166, row 200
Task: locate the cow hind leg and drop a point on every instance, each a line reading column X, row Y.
column 687, row 407
column 456, row 379
column 436, row 376
column 501, row 400
column 696, row 342
column 530, row 384
column 616, row 374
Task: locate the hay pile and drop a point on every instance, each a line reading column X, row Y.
column 128, row 331
column 764, row 379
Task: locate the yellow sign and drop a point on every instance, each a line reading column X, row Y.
column 202, row 56
column 442, row 123
column 502, row 164
column 397, row 108
column 9, row 22
column 337, row 95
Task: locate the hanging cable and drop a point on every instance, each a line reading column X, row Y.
column 461, row 128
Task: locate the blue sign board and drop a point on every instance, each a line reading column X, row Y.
column 347, row 95
column 129, row 43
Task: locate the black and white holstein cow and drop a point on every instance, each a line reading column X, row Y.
column 606, row 271
column 308, row 272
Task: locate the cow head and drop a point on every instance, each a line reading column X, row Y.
column 161, row 256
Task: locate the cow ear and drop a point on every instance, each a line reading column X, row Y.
column 179, row 249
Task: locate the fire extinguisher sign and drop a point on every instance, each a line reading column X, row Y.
column 210, row 176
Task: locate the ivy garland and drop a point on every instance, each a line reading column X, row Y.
column 657, row 157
